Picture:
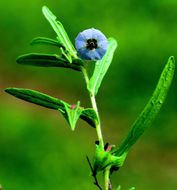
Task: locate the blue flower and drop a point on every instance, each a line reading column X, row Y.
column 91, row 44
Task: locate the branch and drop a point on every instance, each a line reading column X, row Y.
column 93, row 174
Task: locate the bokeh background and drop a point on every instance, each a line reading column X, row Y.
column 37, row 148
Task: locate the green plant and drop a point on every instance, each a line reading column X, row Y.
column 107, row 158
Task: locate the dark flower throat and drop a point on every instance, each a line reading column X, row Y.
column 91, row 44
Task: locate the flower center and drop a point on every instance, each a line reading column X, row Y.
column 91, row 44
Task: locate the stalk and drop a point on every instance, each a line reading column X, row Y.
column 107, row 179
column 94, row 106
column 98, row 129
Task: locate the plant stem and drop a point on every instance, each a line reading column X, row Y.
column 107, row 180
column 94, row 106
column 98, row 129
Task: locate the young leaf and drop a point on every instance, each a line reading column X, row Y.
column 46, row 41
column 46, row 60
column 47, row 101
column 72, row 114
column 151, row 110
column 101, row 67
column 60, row 31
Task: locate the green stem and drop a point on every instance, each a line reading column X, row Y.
column 107, row 180
column 94, row 106
column 98, row 128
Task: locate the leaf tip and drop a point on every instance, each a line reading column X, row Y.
column 172, row 58
column 171, row 62
column 47, row 13
column 44, row 8
column 8, row 90
column 113, row 40
column 32, row 42
column 18, row 59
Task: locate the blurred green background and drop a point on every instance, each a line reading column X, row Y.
column 37, row 148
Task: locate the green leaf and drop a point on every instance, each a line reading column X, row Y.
column 72, row 114
column 101, row 67
column 47, row 60
column 36, row 97
column 46, row 41
column 151, row 110
column 90, row 116
column 60, row 31
column 47, row 101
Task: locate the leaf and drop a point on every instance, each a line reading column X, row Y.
column 47, row 101
column 72, row 114
column 90, row 116
column 36, row 97
column 101, row 67
column 60, row 31
column 46, row 41
column 47, row 60
column 151, row 110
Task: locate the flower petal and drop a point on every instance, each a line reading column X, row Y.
column 80, row 44
column 103, row 44
column 99, row 48
column 88, row 34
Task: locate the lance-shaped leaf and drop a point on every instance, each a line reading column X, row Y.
column 60, row 31
column 46, row 41
column 101, row 67
column 36, row 97
column 72, row 114
column 47, row 60
column 47, row 101
column 151, row 110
